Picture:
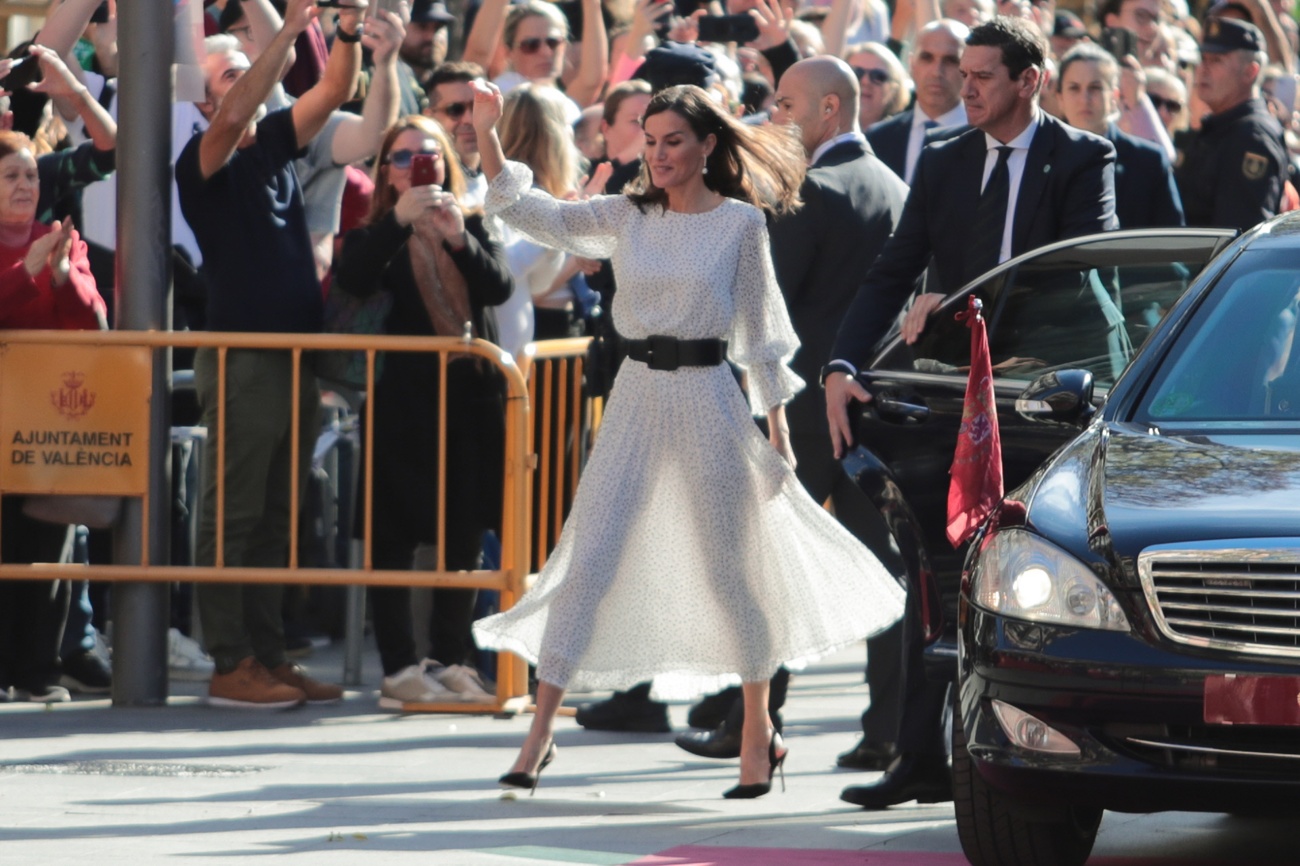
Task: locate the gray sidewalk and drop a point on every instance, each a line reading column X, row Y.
column 85, row 783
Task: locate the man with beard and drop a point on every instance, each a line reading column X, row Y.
column 423, row 49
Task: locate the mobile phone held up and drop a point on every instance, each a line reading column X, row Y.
column 1119, row 42
column 422, row 173
column 26, row 70
column 728, row 28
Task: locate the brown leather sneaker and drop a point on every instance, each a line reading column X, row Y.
column 251, row 686
column 316, row 691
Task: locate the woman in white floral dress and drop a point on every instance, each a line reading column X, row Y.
column 692, row 555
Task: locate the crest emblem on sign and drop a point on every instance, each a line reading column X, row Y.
column 73, row 400
column 1254, row 166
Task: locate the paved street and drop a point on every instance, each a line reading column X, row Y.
column 84, row 783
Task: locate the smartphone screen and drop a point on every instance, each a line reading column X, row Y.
column 728, row 28
column 422, row 170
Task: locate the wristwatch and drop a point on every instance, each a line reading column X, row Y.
column 344, row 36
column 836, row 367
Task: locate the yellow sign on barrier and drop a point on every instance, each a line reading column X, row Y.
column 75, row 419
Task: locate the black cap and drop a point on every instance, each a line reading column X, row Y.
column 1228, row 34
column 1069, row 26
column 677, row 63
column 431, row 12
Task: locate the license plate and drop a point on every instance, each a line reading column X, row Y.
column 1232, row 699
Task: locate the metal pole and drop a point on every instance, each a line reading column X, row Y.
column 143, row 286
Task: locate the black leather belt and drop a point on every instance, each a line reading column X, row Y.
column 669, row 353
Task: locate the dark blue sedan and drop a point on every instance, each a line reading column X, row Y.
column 1129, row 634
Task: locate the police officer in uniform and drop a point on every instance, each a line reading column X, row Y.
column 1234, row 169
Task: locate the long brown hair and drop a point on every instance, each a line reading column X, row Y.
column 762, row 165
column 385, row 197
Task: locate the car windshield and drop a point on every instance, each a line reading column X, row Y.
column 1237, row 360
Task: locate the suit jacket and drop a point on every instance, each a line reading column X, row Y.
column 1146, row 195
column 822, row 251
column 889, row 137
column 1067, row 190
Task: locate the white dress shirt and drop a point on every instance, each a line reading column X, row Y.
column 916, row 137
column 1015, row 170
column 839, row 139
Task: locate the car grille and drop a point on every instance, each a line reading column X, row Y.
column 1245, row 599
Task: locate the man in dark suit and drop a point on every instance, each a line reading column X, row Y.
column 852, row 202
column 1146, row 195
column 898, row 140
column 1018, row 180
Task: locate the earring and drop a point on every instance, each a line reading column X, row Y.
column 705, row 170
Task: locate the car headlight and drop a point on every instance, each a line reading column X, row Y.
column 1023, row 576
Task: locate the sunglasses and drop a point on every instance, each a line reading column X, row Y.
column 532, row 46
column 875, row 76
column 455, row 110
column 1173, row 105
column 401, row 159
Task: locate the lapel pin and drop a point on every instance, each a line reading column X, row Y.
column 1046, row 169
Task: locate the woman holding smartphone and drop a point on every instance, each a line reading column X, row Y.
column 444, row 273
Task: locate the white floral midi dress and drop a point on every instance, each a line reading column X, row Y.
column 692, row 555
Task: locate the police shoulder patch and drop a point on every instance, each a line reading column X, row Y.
column 1254, row 166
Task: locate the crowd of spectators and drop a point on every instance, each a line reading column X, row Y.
column 294, row 178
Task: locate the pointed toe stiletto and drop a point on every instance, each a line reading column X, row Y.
column 776, row 755
column 530, row 781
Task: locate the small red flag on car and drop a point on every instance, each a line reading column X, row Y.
column 976, row 486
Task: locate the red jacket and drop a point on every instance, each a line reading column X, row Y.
column 27, row 302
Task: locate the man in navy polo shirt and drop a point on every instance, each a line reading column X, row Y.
column 240, row 195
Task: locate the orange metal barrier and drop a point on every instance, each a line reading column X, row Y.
column 508, row 580
column 563, row 430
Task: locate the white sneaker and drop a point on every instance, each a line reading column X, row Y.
column 102, row 650
column 414, row 685
column 186, row 660
column 465, row 682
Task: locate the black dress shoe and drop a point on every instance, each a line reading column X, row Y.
column 923, row 778
column 626, row 711
column 867, row 756
column 712, row 710
column 722, row 743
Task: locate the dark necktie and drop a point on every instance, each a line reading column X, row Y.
column 929, row 125
column 985, row 246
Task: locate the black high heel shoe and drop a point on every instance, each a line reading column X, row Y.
column 775, row 762
column 530, row 780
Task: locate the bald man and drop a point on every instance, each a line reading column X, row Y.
column 934, row 65
column 822, row 252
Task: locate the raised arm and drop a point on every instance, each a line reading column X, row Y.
column 65, row 24
column 483, row 38
column 593, row 66
column 359, row 137
column 488, row 105
column 241, row 103
column 58, row 83
column 263, row 23
column 337, row 84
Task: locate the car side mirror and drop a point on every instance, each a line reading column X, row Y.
column 1063, row 396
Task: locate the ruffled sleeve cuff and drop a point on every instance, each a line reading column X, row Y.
column 771, row 384
column 504, row 190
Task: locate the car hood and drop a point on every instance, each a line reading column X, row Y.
column 1160, row 488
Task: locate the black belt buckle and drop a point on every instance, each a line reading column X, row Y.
column 661, row 352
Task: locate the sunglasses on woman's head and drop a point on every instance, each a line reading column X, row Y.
column 402, row 158
column 455, row 110
column 532, row 46
column 1160, row 102
column 875, row 76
